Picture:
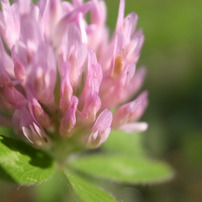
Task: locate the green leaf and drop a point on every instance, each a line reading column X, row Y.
column 121, row 142
column 22, row 163
column 124, row 161
column 86, row 191
column 123, row 168
column 56, row 188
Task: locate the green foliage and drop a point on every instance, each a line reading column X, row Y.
column 120, row 142
column 121, row 159
column 124, row 168
column 56, row 188
column 87, row 191
column 22, row 163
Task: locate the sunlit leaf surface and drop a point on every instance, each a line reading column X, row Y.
column 120, row 142
column 86, row 191
column 124, row 168
column 22, row 163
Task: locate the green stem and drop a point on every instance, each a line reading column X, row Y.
column 63, row 148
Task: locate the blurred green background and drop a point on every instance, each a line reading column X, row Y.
column 172, row 53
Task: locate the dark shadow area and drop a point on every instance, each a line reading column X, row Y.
column 38, row 157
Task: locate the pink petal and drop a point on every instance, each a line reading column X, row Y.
column 20, row 59
column 24, row 124
column 30, row 34
column 94, row 73
column 90, row 109
column 128, row 76
column 77, row 2
column 73, row 51
column 134, row 127
column 6, row 61
column 131, row 111
column 98, row 14
column 72, row 17
column 39, row 114
column 41, row 77
column 134, row 84
column 100, row 130
column 96, row 31
column 50, row 12
column 11, row 23
column 26, row 8
column 138, row 80
column 110, row 93
column 89, row 100
column 118, row 57
column 134, row 47
column 11, row 95
column 66, row 91
column 120, row 18
column 130, row 23
column 69, row 120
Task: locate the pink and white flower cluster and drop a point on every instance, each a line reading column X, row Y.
column 61, row 75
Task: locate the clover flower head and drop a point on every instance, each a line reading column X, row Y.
column 61, row 75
